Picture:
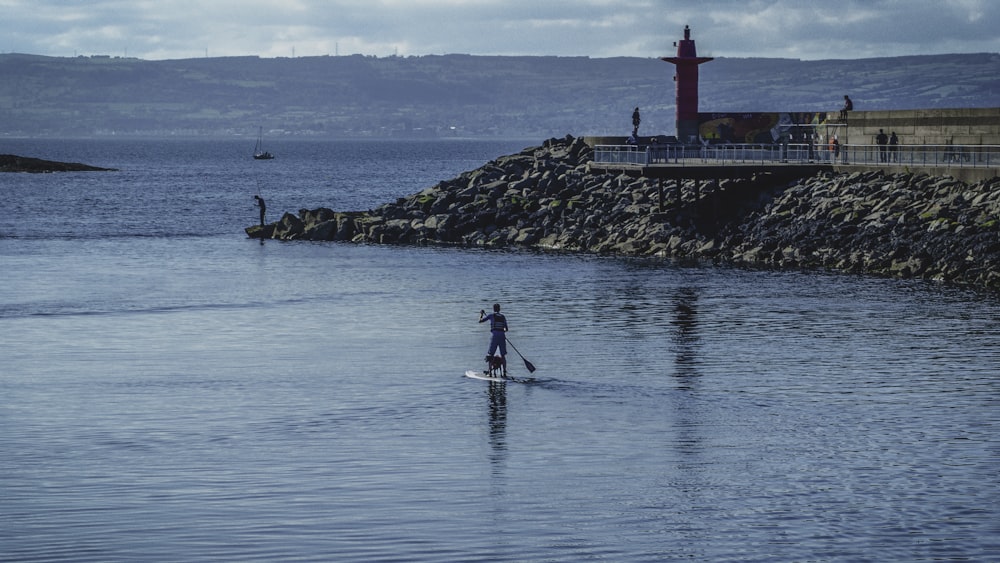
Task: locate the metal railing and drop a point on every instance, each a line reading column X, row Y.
column 949, row 156
column 971, row 156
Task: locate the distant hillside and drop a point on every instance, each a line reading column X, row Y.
column 451, row 95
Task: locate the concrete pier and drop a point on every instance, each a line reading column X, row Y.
column 961, row 143
column 975, row 130
column 964, row 126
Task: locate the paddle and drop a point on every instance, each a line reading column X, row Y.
column 527, row 364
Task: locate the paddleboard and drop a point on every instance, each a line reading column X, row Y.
column 485, row 377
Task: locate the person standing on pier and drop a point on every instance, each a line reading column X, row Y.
column 893, row 147
column 635, row 122
column 848, row 106
column 882, row 140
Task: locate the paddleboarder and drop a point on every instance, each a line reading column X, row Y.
column 498, row 334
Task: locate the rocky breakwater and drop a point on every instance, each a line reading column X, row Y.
column 902, row 225
column 546, row 198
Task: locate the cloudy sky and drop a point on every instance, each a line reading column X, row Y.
column 803, row 29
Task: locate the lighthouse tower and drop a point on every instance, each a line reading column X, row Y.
column 687, row 61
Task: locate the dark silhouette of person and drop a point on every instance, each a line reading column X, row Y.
column 263, row 209
column 498, row 336
column 848, row 106
column 882, row 140
column 635, row 122
column 894, row 147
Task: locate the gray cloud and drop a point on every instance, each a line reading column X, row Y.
column 806, row 29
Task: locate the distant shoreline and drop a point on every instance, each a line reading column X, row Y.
column 453, row 95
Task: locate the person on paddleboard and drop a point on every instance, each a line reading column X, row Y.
column 498, row 334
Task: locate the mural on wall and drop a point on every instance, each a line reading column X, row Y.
column 758, row 127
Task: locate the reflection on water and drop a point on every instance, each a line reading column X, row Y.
column 685, row 342
column 497, row 394
column 685, row 335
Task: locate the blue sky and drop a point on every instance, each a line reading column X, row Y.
column 801, row 29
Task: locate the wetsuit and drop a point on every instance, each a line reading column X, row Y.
column 498, row 328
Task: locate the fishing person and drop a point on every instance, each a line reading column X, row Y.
column 263, row 209
column 498, row 334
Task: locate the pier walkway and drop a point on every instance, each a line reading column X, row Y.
column 966, row 162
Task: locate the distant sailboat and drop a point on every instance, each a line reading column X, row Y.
column 258, row 151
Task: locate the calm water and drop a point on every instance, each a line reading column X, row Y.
column 172, row 391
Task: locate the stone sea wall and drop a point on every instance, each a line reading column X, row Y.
column 545, row 197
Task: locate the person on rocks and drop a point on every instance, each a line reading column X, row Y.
column 498, row 334
column 263, row 208
column 882, row 140
column 635, row 122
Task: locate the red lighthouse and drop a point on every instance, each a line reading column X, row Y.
column 687, row 61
